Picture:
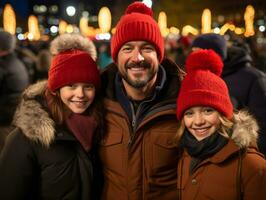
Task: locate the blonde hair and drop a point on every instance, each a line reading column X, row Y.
column 225, row 128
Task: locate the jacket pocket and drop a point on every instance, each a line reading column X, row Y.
column 112, row 138
column 111, row 150
column 164, row 151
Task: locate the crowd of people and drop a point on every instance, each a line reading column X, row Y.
column 131, row 123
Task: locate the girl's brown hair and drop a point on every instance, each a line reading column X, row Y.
column 58, row 110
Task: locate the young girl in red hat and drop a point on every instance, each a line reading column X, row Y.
column 219, row 158
column 48, row 155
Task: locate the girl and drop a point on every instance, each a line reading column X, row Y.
column 219, row 158
column 48, row 155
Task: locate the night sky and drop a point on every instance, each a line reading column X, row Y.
column 21, row 7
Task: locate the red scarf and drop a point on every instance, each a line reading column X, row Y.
column 83, row 128
column 81, row 125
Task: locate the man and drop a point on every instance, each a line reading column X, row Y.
column 14, row 79
column 138, row 153
column 246, row 84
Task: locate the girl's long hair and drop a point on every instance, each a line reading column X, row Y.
column 58, row 110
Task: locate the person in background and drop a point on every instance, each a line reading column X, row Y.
column 104, row 58
column 43, row 63
column 219, row 158
column 182, row 50
column 48, row 155
column 137, row 154
column 14, row 79
column 246, row 84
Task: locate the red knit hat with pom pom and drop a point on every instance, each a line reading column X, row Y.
column 202, row 86
column 73, row 66
column 137, row 24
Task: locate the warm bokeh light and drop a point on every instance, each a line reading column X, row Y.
column 174, row 30
column 104, row 19
column 62, row 27
column 33, row 26
column 189, row 29
column 162, row 22
column 69, row 28
column 9, row 19
column 83, row 26
column 249, row 21
column 206, row 21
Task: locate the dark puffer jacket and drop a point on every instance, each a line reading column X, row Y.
column 247, row 88
column 14, row 79
column 40, row 160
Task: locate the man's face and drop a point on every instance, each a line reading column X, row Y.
column 138, row 63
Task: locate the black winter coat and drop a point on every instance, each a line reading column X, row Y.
column 247, row 88
column 40, row 160
column 14, row 79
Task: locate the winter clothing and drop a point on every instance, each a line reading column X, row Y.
column 14, row 79
column 8, row 42
column 42, row 160
column 246, row 84
column 247, row 88
column 217, row 167
column 137, row 24
column 202, row 84
column 48, row 156
column 211, row 41
column 70, row 41
column 138, row 155
column 73, row 66
column 230, row 172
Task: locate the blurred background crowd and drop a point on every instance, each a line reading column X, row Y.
column 32, row 24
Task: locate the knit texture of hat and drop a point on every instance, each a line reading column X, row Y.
column 211, row 41
column 73, row 66
column 137, row 25
column 202, row 86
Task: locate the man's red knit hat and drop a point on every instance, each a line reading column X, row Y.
column 202, row 86
column 73, row 66
column 137, row 25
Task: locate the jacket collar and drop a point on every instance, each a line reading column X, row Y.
column 32, row 118
column 244, row 136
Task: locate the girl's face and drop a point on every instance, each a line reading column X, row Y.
column 201, row 121
column 77, row 97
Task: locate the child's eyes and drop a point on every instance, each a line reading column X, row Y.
column 188, row 113
column 89, row 87
column 208, row 110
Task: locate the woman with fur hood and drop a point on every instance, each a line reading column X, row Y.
column 219, row 158
column 48, row 155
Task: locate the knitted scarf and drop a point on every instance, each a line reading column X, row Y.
column 200, row 150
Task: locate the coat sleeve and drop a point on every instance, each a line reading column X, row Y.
column 254, row 180
column 17, row 170
column 257, row 106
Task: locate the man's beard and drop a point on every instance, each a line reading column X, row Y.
column 139, row 82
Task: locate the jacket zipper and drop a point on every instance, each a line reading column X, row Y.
column 133, row 125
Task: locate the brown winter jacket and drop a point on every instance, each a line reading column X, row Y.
column 218, row 177
column 141, row 164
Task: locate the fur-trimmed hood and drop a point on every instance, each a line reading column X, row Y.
column 245, row 129
column 32, row 118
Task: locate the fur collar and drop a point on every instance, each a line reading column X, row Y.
column 35, row 123
column 245, row 129
column 32, row 118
